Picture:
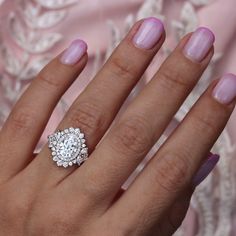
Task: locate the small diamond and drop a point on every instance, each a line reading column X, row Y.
column 65, row 164
column 59, row 163
column 70, row 163
column 71, row 129
column 58, row 135
column 77, row 130
column 84, row 151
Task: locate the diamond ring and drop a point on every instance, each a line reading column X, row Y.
column 68, row 147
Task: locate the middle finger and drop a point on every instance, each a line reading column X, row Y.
column 94, row 110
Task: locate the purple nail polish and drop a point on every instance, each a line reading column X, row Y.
column 225, row 90
column 199, row 44
column 149, row 33
column 206, row 169
column 74, row 52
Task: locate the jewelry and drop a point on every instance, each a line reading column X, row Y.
column 68, row 147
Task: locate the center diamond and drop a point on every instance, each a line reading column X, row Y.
column 68, row 146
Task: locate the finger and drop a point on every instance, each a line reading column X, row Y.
column 175, row 164
column 30, row 115
column 94, row 110
column 173, row 218
column 143, row 122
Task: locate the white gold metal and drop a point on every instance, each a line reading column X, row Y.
column 68, row 147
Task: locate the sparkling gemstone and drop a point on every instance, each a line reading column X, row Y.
column 71, row 130
column 67, row 145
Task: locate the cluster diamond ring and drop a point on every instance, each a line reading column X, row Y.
column 68, row 147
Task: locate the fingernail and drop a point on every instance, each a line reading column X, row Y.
column 148, row 33
column 74, row 52
column 199, row 44
column 225, row 90
column 206, row 169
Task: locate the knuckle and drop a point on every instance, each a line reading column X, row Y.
column 47, row 79
column 21, row 120
column 88, row 116
column 62, row 225
column 91, row 191
column 108, row 225
column 174, row 220
column 18, row 208
column 43, row 217
column 204, row 123
column 173, row 172
column 121, row 68
column 14, row 209
column 171, row 79
column 132, row 136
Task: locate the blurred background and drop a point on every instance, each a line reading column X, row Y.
column 34, row 31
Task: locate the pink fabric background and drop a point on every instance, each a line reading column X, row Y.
column 88, row 20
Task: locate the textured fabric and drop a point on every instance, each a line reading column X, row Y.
column 32, row 32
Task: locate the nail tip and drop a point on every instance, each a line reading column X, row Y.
column 149, row 33
column 208, row 31
column 81, row 43
column 214, row 158
column 233, row 76
column 206, row 169
column 74, row 52
column 199, row 44
column 156, row 21
column 225, row 90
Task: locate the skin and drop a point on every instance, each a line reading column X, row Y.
column 39, row 198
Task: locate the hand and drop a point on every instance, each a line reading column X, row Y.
column 39, row 198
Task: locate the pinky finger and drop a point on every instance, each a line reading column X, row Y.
column 172, row 220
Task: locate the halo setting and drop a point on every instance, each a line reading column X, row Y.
column 68, row 147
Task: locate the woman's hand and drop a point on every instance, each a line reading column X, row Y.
column 39, row 198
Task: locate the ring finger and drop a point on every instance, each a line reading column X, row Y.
column 94, row 110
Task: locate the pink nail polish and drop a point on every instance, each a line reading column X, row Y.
column 148, row 33
column 199, row 44
column 225, row 90
column 206, row 169
column 74, row 52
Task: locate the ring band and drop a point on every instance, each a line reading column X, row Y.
column 68, row 147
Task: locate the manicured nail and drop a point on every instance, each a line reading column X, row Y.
column 225, row 90
column 199, row 44
column 148, row 33
column 74, row 52
column 206, row 169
